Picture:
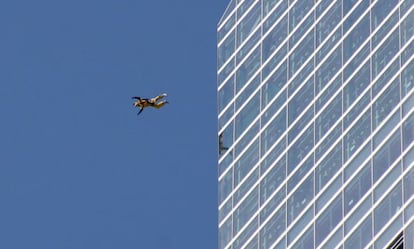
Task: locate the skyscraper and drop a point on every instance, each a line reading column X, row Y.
column 316, row 124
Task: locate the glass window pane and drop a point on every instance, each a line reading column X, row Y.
column 306, row 241
column 247, row 91
column 300, row 149
column 329, row 21
column 298, row 201
column 247, row 69
column 298, row 12
column 273, row 203
column 246, row 162
column 225, row 186
column 225, row 72
column 247, row 138
column 359, row 212
column 385, row 29
column 389, row 234
column 272, row 181
column 357, row 135
column 245, row 211
column 300, row 101
column 329, row 116
column 301, row 54
column 330, row 165
column 245, row 235
column 388, row 207
column 247, row 115
column 248, row 23
column 247, row 47
column 225, row 233
column 361, row 236
column 385, row 53
column 357, row 188
column 298, row 227
column 408, row 131
column 328, row 220
column 273, row 131
column 380, row 10
column 389, row 152
column 274, row 84
column 226, row 49
column 356, row 38
column 275, row 38
column 229, row 23
column 226, row 93
column 328, row 69
column 386, row 103
column 245, row 186
column 356, row 86
column 273, row 229
column 407, row 78
column 409, row 185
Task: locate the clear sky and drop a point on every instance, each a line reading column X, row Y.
column 78, row 168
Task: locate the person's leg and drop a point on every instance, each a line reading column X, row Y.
column 160, row 104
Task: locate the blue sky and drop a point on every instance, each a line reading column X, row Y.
column 78, row 168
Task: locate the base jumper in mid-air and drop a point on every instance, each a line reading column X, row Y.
column 142, row 103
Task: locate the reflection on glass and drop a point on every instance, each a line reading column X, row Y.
column 357, row 188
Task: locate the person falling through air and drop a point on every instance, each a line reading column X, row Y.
column 142, row 103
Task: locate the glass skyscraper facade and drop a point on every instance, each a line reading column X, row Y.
column 316, row 124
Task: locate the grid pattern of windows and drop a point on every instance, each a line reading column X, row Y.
column 316, row 123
